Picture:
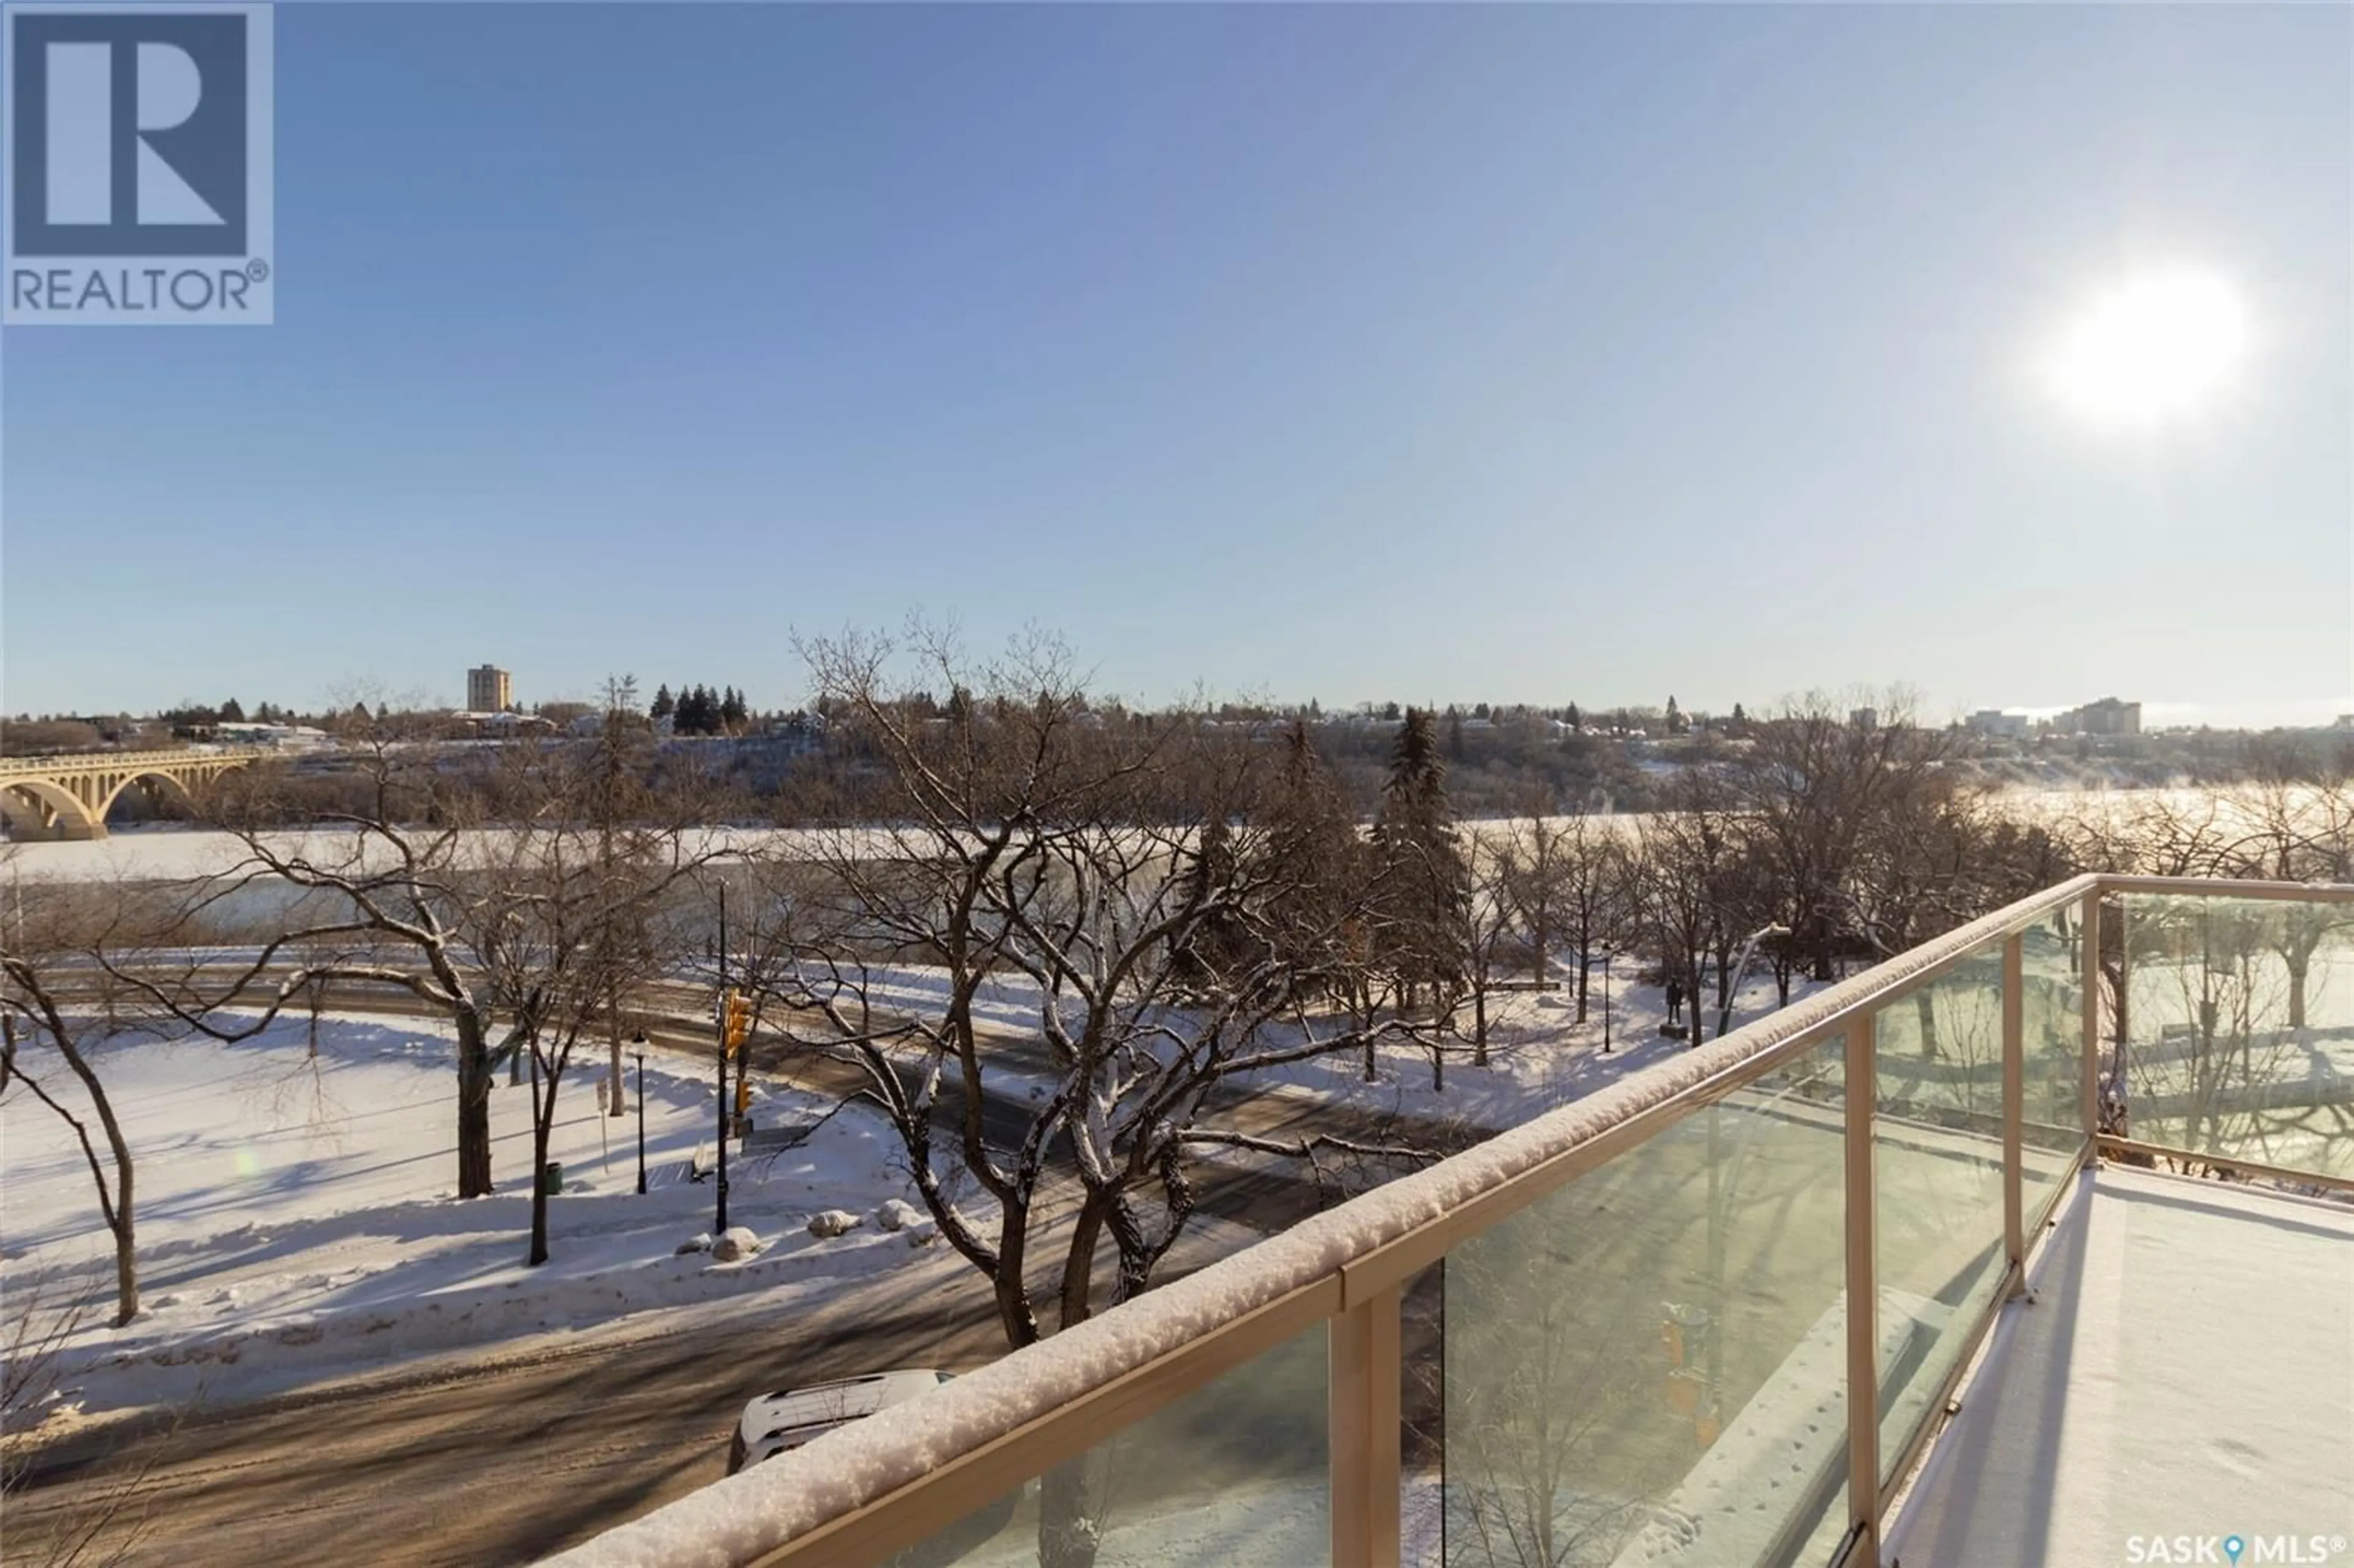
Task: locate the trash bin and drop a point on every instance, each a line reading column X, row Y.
column 551, row 1178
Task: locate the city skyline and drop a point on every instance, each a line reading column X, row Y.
column 1511, row 355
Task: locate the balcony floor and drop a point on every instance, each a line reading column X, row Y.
column 2186, row 1370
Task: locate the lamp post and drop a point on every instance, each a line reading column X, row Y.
column 1740, row 972
column 641, row 1055
column 1607, row 954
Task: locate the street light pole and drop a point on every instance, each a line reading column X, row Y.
column 719, row 1225
column 641, row 1055
column 1606, row 955
column 1740, row 971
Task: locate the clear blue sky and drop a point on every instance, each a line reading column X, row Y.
column 1509, row 354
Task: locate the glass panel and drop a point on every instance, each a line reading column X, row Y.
column 1422, row 1407
column 1937, row 1176
column 1235, row 1472
column 1650, row 1365
column 2240, row 1029
column 2052, row 1053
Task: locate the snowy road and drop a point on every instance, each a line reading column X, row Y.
column 488, row 1465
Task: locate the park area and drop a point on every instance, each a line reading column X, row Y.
column 296, row 1223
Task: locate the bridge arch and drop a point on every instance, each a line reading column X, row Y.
column 43, row 809
column 166, row 783
column 67, row 797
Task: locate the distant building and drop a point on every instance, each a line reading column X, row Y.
column 2108, row 717
column 282, row 737
column 1864, row 718
column 489, row 690
column 1994, row 721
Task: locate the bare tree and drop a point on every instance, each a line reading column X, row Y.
column 1035, row 856
column 391, row 895
column 1813, row 784
column 104, row 1523
column 61, row 1008
column 575, row 907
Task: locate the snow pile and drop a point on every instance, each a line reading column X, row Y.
column 736, row 1243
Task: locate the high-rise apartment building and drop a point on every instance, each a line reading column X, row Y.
column 489, row 690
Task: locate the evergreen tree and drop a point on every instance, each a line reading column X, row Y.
column 1454, row 734
column 1676, row 725
column 1219, row 944
column 664, row 703
column 231, row 712
column 1740, row 719
column 1315, row 864
column 1572, row 718
column 1425, row 893
column 733, row 710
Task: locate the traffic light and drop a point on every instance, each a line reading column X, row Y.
column 735, row 1020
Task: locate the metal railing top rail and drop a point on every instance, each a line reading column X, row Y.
column 89, row 761
column 2229, row 887
column 974, row 1434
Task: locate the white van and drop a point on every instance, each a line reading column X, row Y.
column 779, row 1423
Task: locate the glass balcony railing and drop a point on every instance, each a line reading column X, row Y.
column 2237, row 1035
column 1627, row 1332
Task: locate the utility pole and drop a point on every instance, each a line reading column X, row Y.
column 641, row 1055
column 719, row 1225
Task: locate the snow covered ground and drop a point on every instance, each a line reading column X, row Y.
column 1538, row 1055
column 296, row 1219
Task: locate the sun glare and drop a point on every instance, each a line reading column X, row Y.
column 2159, row 349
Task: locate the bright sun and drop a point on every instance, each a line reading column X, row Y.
column 2161, row 348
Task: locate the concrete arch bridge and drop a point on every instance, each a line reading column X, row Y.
column 68, row 797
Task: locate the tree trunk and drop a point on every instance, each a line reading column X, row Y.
column 613, row 1031
column 2298, row 964
column 1479, row 1023
column 1013, row 1313
column 474, row 1108
column 1584, row 976
column 120, row 1215
column 1925, row 1012
column 1078, row 1298
column 1068, row 1530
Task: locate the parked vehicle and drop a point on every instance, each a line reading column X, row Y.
column 779, row 1423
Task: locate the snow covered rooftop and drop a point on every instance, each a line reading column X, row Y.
column 2184, row 1375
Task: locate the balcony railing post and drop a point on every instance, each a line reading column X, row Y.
column 2014, row 1099
column 2090, row 925
column 1862, row 1298
column 1368, row 1371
